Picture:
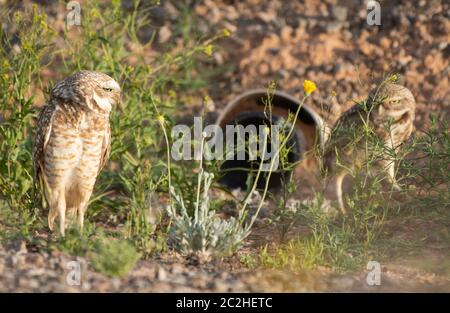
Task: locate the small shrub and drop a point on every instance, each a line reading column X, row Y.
column 114, row 258
column 76, row 243
column 19, row 72
column 205, row 234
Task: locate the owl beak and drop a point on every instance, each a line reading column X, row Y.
column 117, row 99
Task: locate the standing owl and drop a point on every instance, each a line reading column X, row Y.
column 72, row 143
column 388, row 118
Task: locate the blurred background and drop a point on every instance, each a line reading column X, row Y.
column 328, row 42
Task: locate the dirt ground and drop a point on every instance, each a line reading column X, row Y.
column 330, row 43
column 28, row 271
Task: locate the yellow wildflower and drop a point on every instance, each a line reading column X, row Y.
column 161, row 119
column 5, row 64
column 393, row 78
column 95, row 13
column 26, row 45
column 18, row 17
column 309, row 87
column 208, row 50
column 226, row 32
column 172, row 93
column 43, row 25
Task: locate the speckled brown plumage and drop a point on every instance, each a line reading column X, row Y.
column 389, row 115
column 72, row 142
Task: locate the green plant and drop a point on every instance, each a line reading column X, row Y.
column 76, row 243
column 425, row 166
column 285, row 215
column 19, row 72
column 114, row 258
column 204, row 233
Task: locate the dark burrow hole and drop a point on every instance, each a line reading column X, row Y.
column 235, row 173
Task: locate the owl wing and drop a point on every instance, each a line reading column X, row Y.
column 44, row 128
column 348, row 119
column 106, row 148
column 342, row 134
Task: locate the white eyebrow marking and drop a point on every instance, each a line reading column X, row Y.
column 103, row 103
column 111, row 84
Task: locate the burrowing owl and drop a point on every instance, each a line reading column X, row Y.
column 386, row 117
column 72, row 142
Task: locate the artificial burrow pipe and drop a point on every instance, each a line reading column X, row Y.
column 249, row 109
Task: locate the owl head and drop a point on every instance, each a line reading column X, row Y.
column 392, row 96
column 93, row 90
column 392, row 102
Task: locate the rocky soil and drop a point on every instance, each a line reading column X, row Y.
column 331, row 43
column 27, row 271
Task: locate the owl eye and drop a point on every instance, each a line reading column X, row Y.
column 107, row 89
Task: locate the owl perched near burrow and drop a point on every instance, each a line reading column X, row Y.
column 368, row 135
column 72, row 143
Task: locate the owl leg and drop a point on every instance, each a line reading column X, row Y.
column 338, row 185
column 57, row 208
column 52, row 214
column 81, row 212
column 392, row 177
column 81, row 217
column 333, row 189
column 82, row 207
column 389, row 166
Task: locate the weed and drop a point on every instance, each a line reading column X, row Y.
column 114, row 258
column 205, row 234
column 18, row 73
column 76, row 243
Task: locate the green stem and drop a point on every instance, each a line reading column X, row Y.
column 200, row 175
column 266, row 187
